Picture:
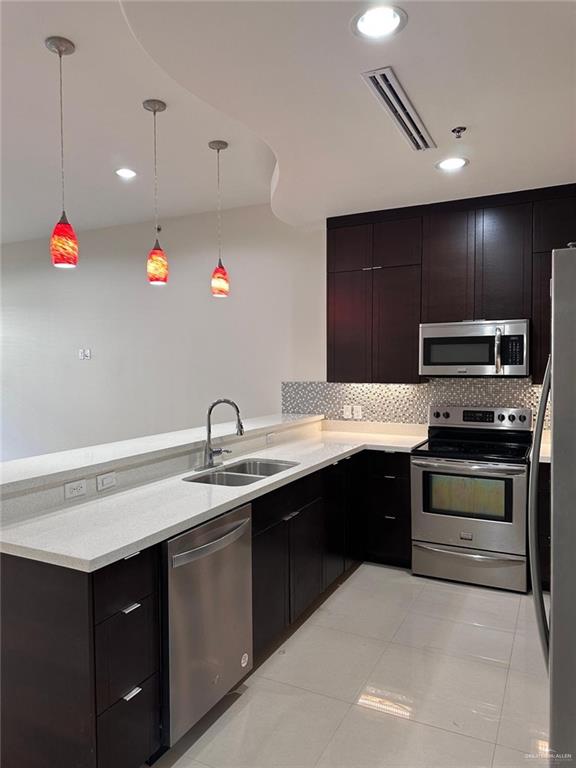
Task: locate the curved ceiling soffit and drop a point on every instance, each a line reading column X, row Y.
column 274, row 179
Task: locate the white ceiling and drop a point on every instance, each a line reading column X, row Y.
column 105, row 82
column 291, row 72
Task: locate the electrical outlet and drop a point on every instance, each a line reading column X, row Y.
column 85, row 354
column 104, row 482
column 347, row 411
column 357, row 411
column 74, row 489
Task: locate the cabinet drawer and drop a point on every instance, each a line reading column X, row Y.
column 126, row 649
column 129, row 732
column 271, row 508
column 389, row 465
column 124, row 583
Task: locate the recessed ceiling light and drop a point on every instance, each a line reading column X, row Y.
column 452, row 163
column 379, row 22
column 125, row 173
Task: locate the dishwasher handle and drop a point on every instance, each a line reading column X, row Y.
column 183, row 558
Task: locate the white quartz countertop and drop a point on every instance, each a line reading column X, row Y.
column 96, row 533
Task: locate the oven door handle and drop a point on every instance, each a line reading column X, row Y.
column 467, row 555
column 502, row 470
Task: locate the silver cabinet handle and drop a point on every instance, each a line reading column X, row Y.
column 129, row 557
column 390, row 477
column 212, row 546
column 542, row 621
column 130, row 608
column 133, row 692
column 390, row 517
column 498, row 350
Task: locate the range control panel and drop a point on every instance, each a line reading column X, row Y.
column 485, row 418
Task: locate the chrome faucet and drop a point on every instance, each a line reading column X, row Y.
column 210, row 452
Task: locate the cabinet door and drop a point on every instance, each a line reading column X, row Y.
column 541, row 314
column 349, row 248
column 270, row 586
column 349, row 326
column 448, row 267
column 335, row 501
column 503, row 284
column 307, row 541
column 398, row 243
column 554, row 223
column 396, row 317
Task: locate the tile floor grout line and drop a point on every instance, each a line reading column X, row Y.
column 306, row 690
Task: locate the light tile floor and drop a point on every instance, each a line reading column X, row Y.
column 393, row 671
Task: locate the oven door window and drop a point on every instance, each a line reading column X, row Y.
column 459, row 350
column 479, row 498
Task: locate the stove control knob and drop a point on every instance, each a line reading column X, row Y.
column 446, row 415
column 511, row 417
column 501, row 417
column 436, row 414
column 522, row 418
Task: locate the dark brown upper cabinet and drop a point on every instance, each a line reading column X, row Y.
column 448, row 267
column 396, row 317
column 397, row 243
column 503, row 283
column 349, row 248
column 541, row 314
column 554, row 223
column 350, row 326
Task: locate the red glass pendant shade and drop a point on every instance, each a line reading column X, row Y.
column 64, row 244
column 220, row 281
column 157, row 266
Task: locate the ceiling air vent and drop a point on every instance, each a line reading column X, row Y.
column 387, row 89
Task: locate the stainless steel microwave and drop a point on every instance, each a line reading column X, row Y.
column 475, row 348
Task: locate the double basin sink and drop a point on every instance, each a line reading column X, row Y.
column 243, row 472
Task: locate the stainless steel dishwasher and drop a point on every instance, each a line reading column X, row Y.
column 209, row 602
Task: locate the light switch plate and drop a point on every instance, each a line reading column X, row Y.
column 347, row 411
column 104, row 482
column 357, row 411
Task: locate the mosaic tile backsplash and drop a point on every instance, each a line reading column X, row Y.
column 406, row 403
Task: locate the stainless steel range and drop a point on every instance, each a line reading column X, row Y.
column 469, row 496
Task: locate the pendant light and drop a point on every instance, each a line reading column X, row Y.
column 220, row 283
column 157, row 264
column 63, row 243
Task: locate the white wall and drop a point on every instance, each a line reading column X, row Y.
column 159, row 355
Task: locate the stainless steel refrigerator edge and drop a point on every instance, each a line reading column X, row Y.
column 563, row 584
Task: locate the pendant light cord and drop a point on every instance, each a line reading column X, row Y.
column 155, row 177
column 61, row 131
column 219, row 208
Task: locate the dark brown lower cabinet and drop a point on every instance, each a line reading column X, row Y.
column 385, row 520
column 301, row 545
column 270, row 585
column 307, row 543
column 80, row 664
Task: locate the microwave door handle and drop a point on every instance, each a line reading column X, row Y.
column 498, row 350
column 537, row 593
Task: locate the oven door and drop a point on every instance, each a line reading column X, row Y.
column 473, row 504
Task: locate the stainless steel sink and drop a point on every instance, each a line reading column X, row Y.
column 243, row 472
column 264, row 467
column 223, row 478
